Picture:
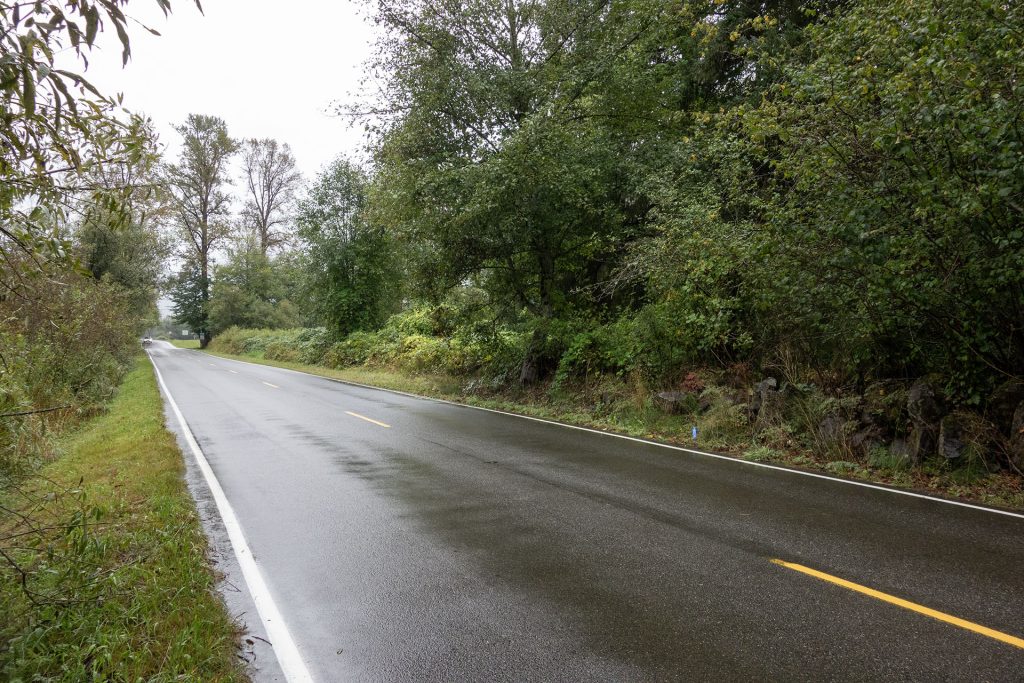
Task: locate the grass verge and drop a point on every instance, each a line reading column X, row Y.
column 185, row 343
column 721, row 431
column 104, row 573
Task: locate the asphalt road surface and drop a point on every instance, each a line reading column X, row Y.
column 405, row 539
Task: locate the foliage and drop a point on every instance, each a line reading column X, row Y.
column 55, row 127
column 307, row 344
column 64, row 343
column 897, row 190
column 201, row 205
column 478, row 172
column 524, row 146
column 410, row 341
column 249, row 291
column 352, row 264
column 104, row 572
column 123, row 245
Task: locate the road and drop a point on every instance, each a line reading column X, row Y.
column 406, row 539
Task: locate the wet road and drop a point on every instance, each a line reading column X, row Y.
column 411, row 540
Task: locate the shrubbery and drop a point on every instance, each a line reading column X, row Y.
column 65, row 343
column 407, row 341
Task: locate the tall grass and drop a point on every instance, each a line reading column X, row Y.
column 103, row 571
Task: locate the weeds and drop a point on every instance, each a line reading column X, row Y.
column 103, row 572
column 762, row 454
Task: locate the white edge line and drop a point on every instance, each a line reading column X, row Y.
column 284, row 647
column 649, row 442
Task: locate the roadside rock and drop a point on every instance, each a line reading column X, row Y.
column 707, row 401
column 1015, row 447
column 865, row 439
column 900, row 449
column 922, row 442
column 832, row 429
column 925, row 406
column 952, row 437
column 884, row 405
column 924, row 402
column 766, row 402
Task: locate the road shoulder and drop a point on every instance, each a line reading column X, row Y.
column 115, row 567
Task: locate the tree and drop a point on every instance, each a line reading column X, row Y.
column 271, row 180
column 353, row 271
column 55, row 125
column 897, row 186
column 249, row 291
column 201, row 204
column 480, row 161
column 122, row 244
column 189, row 294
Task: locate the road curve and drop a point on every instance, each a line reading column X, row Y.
column 407, row 539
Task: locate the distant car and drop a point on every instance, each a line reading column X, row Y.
column 147, row 340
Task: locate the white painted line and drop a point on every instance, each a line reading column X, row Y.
column 233, row 372
column 692, row 451
column 285, row 650
column 274, row 386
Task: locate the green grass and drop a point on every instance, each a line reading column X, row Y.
column 110, row 548
column 722, row 429
column 185, row 343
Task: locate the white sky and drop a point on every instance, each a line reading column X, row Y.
column 269, row 68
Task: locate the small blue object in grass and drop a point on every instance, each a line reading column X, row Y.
column 695, row 433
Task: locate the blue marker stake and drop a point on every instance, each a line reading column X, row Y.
column 695, row 433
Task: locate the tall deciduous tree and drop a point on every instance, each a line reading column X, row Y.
column 478, row 161
column 201, row 203
column 352, row 265
column 271, row 180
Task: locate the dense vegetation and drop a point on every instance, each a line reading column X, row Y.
column 115, row 584
column 79, row 247
column 674, row 196
column 103, row 568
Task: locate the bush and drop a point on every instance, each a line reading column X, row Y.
column 65, row 343
column 281, row 351
column 355, row 349
column 312, row 343
column 657, row 341
column 409, row 341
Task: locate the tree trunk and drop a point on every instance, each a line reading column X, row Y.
column 204, row 334
column 530, row 370
column 533, row 368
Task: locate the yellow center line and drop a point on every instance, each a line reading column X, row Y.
column 363, row 417
column 272, row 385
column 906, row 604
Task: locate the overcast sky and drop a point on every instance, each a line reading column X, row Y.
column 269, row 68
